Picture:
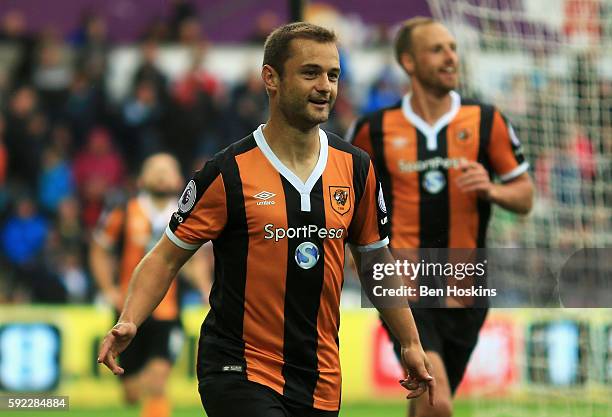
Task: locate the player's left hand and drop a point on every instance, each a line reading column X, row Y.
column 419, row 369
column 474, row 178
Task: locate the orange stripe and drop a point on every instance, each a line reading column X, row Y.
column 401, row 147
column 328, row 389
column 266, row 273
column 463, row 139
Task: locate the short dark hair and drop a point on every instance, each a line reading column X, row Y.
column 403, row 39
column 277, row 46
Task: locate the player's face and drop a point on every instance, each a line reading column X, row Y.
column 309, row 84
column 161, row 176
column 435, row 60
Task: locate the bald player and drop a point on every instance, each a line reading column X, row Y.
column 123, row 236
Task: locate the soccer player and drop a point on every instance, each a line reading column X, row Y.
column 128, row 232
column 279, row 206
column 436, row 153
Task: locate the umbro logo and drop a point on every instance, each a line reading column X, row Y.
column 265, row 197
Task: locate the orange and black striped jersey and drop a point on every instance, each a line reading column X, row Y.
column 132, row 230
column 279, row 254
column 417, row 166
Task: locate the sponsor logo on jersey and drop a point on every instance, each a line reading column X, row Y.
column 264, row 198
column 188, row 197
column 306, row 255
column 429, row 164
column 434, row 181
column 340, row 199
column 304, row 232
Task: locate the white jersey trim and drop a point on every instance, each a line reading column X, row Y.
column 522, row 168
column 178, row 242
column 304, row 188
column 431, row 132
column 371, row 246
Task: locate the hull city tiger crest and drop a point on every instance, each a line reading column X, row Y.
column 340, row 199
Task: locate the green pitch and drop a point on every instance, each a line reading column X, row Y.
column 572, row 408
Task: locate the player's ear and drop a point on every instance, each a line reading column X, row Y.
column 270, row 77
column 407, row 62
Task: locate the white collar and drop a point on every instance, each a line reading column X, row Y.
column 431, row 132
column 304, row 188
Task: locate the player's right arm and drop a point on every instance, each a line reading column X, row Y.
column 150, row 282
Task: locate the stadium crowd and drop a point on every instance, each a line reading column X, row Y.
column 67, row 149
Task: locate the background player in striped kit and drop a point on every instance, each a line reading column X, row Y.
column 435, row 153
column 279, row 206
column 126, row 233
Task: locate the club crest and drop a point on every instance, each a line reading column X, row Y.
column 340, row 199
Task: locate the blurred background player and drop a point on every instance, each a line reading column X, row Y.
column 128, row 232
column 436, row 154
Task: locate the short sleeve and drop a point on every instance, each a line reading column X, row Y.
column 109, row 227
column 369, row 228
column 505, row 150
column 202, row 210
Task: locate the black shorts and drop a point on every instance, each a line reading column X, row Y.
column 232, row 395
column 155, row 339
column 452, row 333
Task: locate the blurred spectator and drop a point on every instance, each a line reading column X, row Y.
column 56, row 182
column 249, row 106
column 190, row 32
column 24, row 233
column 150, row 72
column 198, row 95
column 265, row 23
column 182, row 10
column 73, row 277
column 141, row 120
column 13, row 30
column 92, row 61
column 68, row 225
column 385, row 91
column 97, row 170
column 82, row 108
column 52, row 76
column 25, row 128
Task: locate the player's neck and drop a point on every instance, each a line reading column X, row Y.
column 296, row 149
column 429, row 106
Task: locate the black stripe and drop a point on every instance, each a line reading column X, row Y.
column 517, row 149
column 380, row 164
column 434, row 213
column 484, row 207
column 302, row 298
column 221, row 341
column 360, row 164
column 361, row 167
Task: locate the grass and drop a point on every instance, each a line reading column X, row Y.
column 572, row 408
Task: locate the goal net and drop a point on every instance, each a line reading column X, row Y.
column 547, row 66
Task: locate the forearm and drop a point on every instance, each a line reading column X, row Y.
column 401, row 323
column 149, row 284
column 395, row 311
column 515, row 196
